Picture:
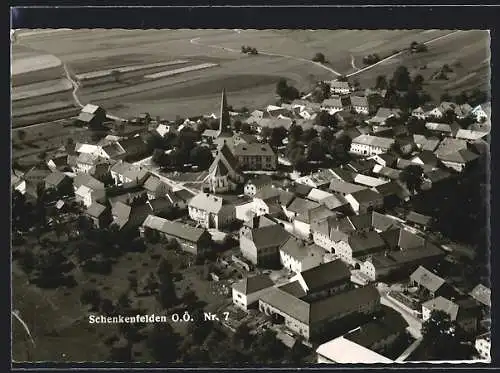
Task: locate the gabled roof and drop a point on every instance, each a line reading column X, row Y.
column 361, row 242
column 366, row 195
column 482, row 294
column 470, row 135
column 302, row 206
column 269, row 236
column 87, row 180
column 426, row 157
column 319, row 277
column 173, row 228
column 359, row 101
column 369, row 180
column 113, row 150
column 388, row 172
column 450, row 145
column 340, row 186
column 253, row 149
column 253, row 284
column 296, row 249
column 426, row 143
column 392, row 188
column 382, row 222
column 425, row 278
column 409, row 240
column 415, row 217
column 152, row 183
column 132, row 144
column 462, row 156
column 441, row 127
column 121, row 210
column 260, row 180
column 95, row 210
column 443, row 304
column 391, row 237
column 55, row 178
column 207, row 202
column 89, row 108
column 381, row 142
column 334, row 102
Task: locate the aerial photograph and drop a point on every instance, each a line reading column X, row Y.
column 242, row 196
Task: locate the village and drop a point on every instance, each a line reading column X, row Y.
column 341, row 225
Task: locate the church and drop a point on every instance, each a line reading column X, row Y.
column 224, row 173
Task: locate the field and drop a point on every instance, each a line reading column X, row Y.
column 249, row 80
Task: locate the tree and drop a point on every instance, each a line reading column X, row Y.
column 309, row 135
column 91, row 297
column 286, row 92
column 106, row 307
column 116, row 75
column 401, row 78
column 319, row 57
column 201, row 156
column 326, row 135
column 295, row 133
column 242, row 335
column 445, row 97
column 164, row 269
column 244, row 49
column 267, row 348
column 325, row 119
column 237, row 125
column 315, row 151
column 412, row 176
column 278, row 134
column 418, row 82
column 381, row 82
column 133, row 283
column 160, row 336
column 166, row 293
column 246, row 128
column 189, row 298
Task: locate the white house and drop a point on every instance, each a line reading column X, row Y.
column 365, row 200
column 332, row 105
column 339, row 88
column 370, row 145
column 247, row 291
column 360, row 104
column 88, row 195
column 479, row 114
column 210, row 211
column 299, row 257
column 442, row 304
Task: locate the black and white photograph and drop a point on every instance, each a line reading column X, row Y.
column 250, row 196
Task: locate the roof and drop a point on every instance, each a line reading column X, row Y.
column 461, row 156
column 382, row 222
column 359, row 101
column 55, row 178
column 409, row 240
column 85, row 117
column 87, row 180
column 253, row 284
column 131, row 144
column 470, row 135
column 387, row 112
column 253, row 149
column 417, row 218
column 423, row 277
column 89, row 108
column 361, row 242
column 294, row 288
column 426, row 157
column 369, row 181
column 381, row 142
column 113, row 150
column 302, row 190
column 482, row 294
column 343, row 187
column 437, row 175
column 332, row 102
column 260, row 180
column 95, row 209
column 391, row 237
column 325, row 274
column 439, row 127
column 442, row 304
column 388, row 172
column 268, row 192
column 173, row 228
column 269, row 236
column 210, row 133
column 207, row 202
column 184, row 194
column 152, row 183
column 426, row 143
column 302, row 206
column 287, row 303
column 365, row 195
column 343, row 351
column 121, row 210
column 339, row 84
column 298, row 251
column 450, row 145
column 375, row 331
column 274, row 122
column 391, row 188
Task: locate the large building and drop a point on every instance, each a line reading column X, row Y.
column 211, row 211
column 371, row 145
column 256, row 156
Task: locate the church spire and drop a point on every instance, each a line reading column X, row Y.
column 224, row 124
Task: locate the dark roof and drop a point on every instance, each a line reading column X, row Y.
column 360, row 222
column 366, row 195
column 302, row 206
column 95, row 210
column 340, row 186
column 362, row 165
column 382, row 222
column 253, row 284
column 373, row 332
column 55, row 178
column 301, row 190
column 392, row 188
column 131, row 144
column 87, row 180
column 253, row 149
column 173, row 228
column 328, row 273
column 269, row 192
column 113, row 150
column 409, row 240
column 343, row 175
column 269, row 236
column 225, row 152
column 294, row 288
column 417, row 218
column 184, row 194
column 152, row 183
column 260, row 180
column 362, row 242
column 391, row 238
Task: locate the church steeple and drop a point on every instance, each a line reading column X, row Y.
column 224, row 122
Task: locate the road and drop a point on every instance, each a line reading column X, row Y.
column 414, row 324
column 196, row 41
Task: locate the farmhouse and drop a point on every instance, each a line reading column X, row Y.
column 298, row 257
column 365, row 200
column 99, row 214
column 247, row 291
column 92, row 115
column 256, row 184
column 360, row 104
column 261, row 245
column 332, row 105
column 339, row 88
column 428, row 281
column 458, row 160
column 210, row 211
column 192, row 240
column 371, row 145
column 155, row 188
column 124, row 173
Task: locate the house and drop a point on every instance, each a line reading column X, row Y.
column 450, row 145
column 332, row 105
column 310, row 319
column 224, row 175
column 319, row 179
column 419, row 220
column 426, row 143
column 123, row 173
column 331, row 201
column 470, row 135
column 382, row 115
column 360, row 104
column 344, row 188
column 371, row 145
column 112, row 150
column 361, row 166
column 428, row 281
column 88, row 195
column 256, row 156
column 211, row 211
column 196, row 241
column 458, row 160
column 426, row 157
column 424, row 112
column 358, row 246
column 155, row 188
column 261, row 245
column 482, row 294
column 369, row 181
column 466, row 315
column 483, row 346
column 92, row 116
column 385, row 159
column 59, row 181
column 58, row 162
column 135, row 148
column 99, row 214
column 463, row 111
column 274, row 110
column 343, row 174
column 387, row 172
column 272, row 200
column 36, row 175
column 339, row 88
column 400, row 262
column 85, row 162
column 247, row 291
column 298, row 213
column 274, row 123
column 256, row 184
column 298, row 257
column 365, row 200
column 183, row 196
column 163, row 130
column 393, row 193
column 87, row 180
column 443, row 128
